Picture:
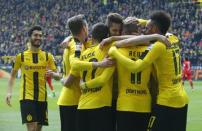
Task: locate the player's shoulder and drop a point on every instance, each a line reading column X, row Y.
column 157, row 45
column 172, row 38
column 22, row 53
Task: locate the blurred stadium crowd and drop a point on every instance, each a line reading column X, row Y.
column 17, row 16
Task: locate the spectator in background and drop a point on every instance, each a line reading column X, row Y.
column 18, row 16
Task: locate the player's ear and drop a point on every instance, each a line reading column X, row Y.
column 155, row 29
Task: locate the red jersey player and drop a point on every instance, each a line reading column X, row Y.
column 49, row 81
column 186, row 73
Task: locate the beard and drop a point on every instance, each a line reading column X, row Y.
column 35, row 45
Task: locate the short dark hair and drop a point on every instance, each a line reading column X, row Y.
column 76, row 23
column 37, row 27
column 162, row 20
column 186, row 58
column 114, row 18
column 130, row 27
column 100, row 31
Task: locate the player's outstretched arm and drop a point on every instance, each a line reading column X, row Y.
column 81, row 65
column 111, row 39
column 54, row 74
column 65, row 43
column 10, row 87
column 148, row 57
column 142, row 40
column 67, row 81
column 85, row 65
column 100, row 80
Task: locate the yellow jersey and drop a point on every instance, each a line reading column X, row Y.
column 69, row 96
column 134, row 95
column 33, row 66
column 167, row 63
column 98, row 81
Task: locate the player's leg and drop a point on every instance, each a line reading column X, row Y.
column 132, row 120
column 29, row 114
column 113, row 111
column 68, row 118
column 183, row 78
column 32, row 126
column 42, row 115
column 39, row 127
column 49, row 81
column 189, row 78
column 124, row 120
column 83, row 120
column 160, row 119
column 179, row 120
column 101, row 119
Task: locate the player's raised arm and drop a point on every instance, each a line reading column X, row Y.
column 114, row 38
column 65, row 43
column 100, row 80
column 148, row 57
column 142, row 40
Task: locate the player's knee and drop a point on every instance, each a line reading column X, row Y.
column 32, row 126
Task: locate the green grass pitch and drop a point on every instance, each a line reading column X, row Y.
column 10, row 119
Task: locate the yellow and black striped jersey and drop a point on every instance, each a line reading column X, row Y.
column 33, row 66
column 70, row 95
column 134, row 95
column 98, row 81
column 167, row 63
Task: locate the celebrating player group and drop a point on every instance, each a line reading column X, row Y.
column 125, row 75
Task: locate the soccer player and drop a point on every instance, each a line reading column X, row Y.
column 133, row 88
column 114, row 22
column 94, row 112
column 170, row 111
column 186, row 72
column 69, row 96
column 33, row 95
column 49, row 81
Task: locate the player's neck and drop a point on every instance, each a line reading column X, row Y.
column 34, row 49
column 94, row 42
column 79, row 39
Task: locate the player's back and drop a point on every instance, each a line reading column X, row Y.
column 168, row 67
column 133, row 87
column 69, row 95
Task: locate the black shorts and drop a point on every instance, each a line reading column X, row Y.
column 113, row 110
column 95, row 119
column 34, row 111
column 68, row 118
column 165, row 118
column 132, row 121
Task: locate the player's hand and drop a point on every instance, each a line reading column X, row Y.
column 164, row 40
column 105, row 42
column 82, row 86
column 133, row 19
column 107, row 62
column 65, row 43
column 49, row 73
column 8, row 99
